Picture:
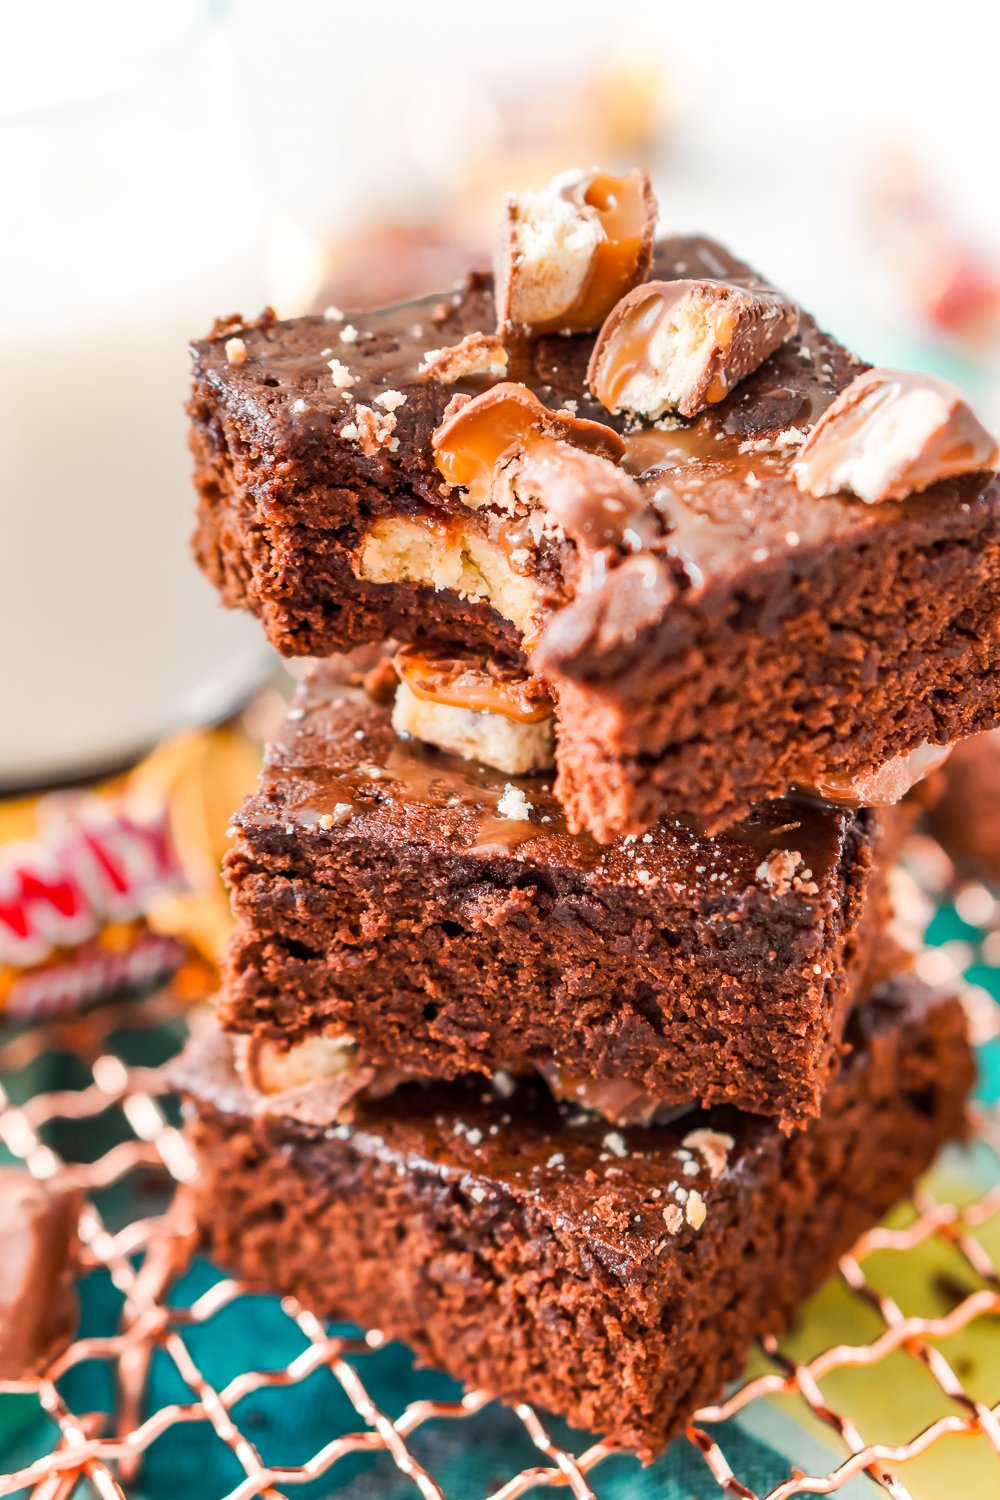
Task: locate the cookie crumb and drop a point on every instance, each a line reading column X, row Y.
column 390, row 400
column 514, row 804
column 713, row 1146
column 504, row 1083
column 695, row 1210
column 784, row 871
column 342, row 377
column 371, row 430
column 672, row 1218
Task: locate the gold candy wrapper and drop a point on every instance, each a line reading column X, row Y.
column 115, row 886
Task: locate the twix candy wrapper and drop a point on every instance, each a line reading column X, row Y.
column 115, row 887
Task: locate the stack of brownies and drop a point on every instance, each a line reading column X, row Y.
column 561, row 1035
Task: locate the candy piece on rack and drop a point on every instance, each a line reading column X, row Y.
column 569, row 251
column 965, row 819
column 890, row 434
column 493, row 714
column 679, row 346
column 38, row 1259
column 614, row 1276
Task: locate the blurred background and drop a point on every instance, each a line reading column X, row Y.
column 166, row 163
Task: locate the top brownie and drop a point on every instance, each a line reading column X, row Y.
column 760, row 639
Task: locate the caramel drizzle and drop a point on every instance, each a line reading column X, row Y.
column 477, row 436
column 459, row 683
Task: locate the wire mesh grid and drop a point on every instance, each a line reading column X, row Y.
column 147, row 1254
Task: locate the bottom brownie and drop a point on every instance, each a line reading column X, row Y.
column 615, row 1277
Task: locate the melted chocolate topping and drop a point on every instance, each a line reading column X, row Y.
column 722, row 483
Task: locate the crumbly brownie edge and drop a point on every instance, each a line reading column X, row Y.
column 488, row 1287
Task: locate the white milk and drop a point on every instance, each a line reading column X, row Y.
column 126, row 225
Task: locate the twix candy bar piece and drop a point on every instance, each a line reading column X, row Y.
column 893, row 433
column 73, row 904
column 679, row 346
column 480, row 432
column 116, row 887
column 570, row 250
column 504, row 447
column 485, row 711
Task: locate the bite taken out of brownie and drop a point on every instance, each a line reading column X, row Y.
column 441, row 917
column 615, row 1277
column 713, row 632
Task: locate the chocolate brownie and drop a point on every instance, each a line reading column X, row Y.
column 445, row 918
column 965, row 818
column 761, row 639
column 615, row 1277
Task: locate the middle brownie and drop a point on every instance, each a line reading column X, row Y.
column 441, row 917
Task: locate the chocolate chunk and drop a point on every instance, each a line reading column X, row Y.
column 756, row 412
column 38, row 1256
column 477, row 434
column 595, row 503
column 682, row 345
column 612, row 613
column 569, row 251
column 890, row 434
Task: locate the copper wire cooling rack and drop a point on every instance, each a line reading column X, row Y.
column 146, row 1254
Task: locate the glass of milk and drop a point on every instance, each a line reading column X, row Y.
column 129, row 221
